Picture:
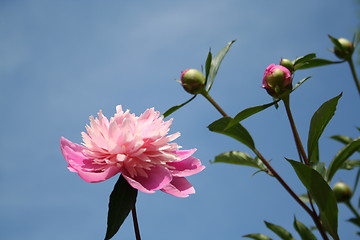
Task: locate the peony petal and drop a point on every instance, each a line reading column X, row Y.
column 72, row 153
column 179, row 187
column 187, row 166
column 158, row 177
column 94, row 177
column 182, row 154
column 78, row 162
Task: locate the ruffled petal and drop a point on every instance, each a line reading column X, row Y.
column 187, row 166
column 78, row 162
column 94, row 177
column 182, row 154
column 179, row 187
column 73, row 154
column 157, row 178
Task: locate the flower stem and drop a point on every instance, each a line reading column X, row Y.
column 352, row 68
column 297, row 139
column 351, row 207
column 312, row 213
column 301, row 151
column 212, row 101
column 136, row 224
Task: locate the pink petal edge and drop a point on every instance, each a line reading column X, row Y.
column 187, row 166
column 179, row 187
column 77, row 161
column 158, row 177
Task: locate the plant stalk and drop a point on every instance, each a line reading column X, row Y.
column 212, row 101
column 301, row 151
column 136, row 224
column 351, row 207
column 352, row 68
column 312, row 214
column 297, row 139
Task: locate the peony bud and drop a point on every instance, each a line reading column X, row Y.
column 288, row 64
column 277, row 80
column 342, row 192
column 193, row 81
column 346, row 50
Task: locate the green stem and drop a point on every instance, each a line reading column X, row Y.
column 351, row 207
column 352, row 68
column 312, row 213
column 297, row 139
column 212, row 101
column 301, row 151
column 136, row 224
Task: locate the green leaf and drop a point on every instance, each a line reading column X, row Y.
column 318, row 123
column 249, row 112
column 321, row 193
column 336, row 42
column 215, row 64
column 350, row 164
column 304, row 59
column 342, row 156
column 304, row 232
column 281, row 232
column 257, row 236
column 299, row 83
column 239, row 158
column 208, row 65
column 342, row 139
column 356, row 183
column 317, row 62
column 315, row 157
column 304, row 197
column 177, row 107
column 320, row 168
column 355, row 221
column 122, row 200
column 237, row 131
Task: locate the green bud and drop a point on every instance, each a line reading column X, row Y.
column 193, row 81
column 288, row 64
column 346, row 50
column 276, row 79
column 342, row 192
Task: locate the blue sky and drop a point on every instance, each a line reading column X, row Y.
column 62, row 61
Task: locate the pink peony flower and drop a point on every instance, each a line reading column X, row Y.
column 277, row 80
column 137, row 147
